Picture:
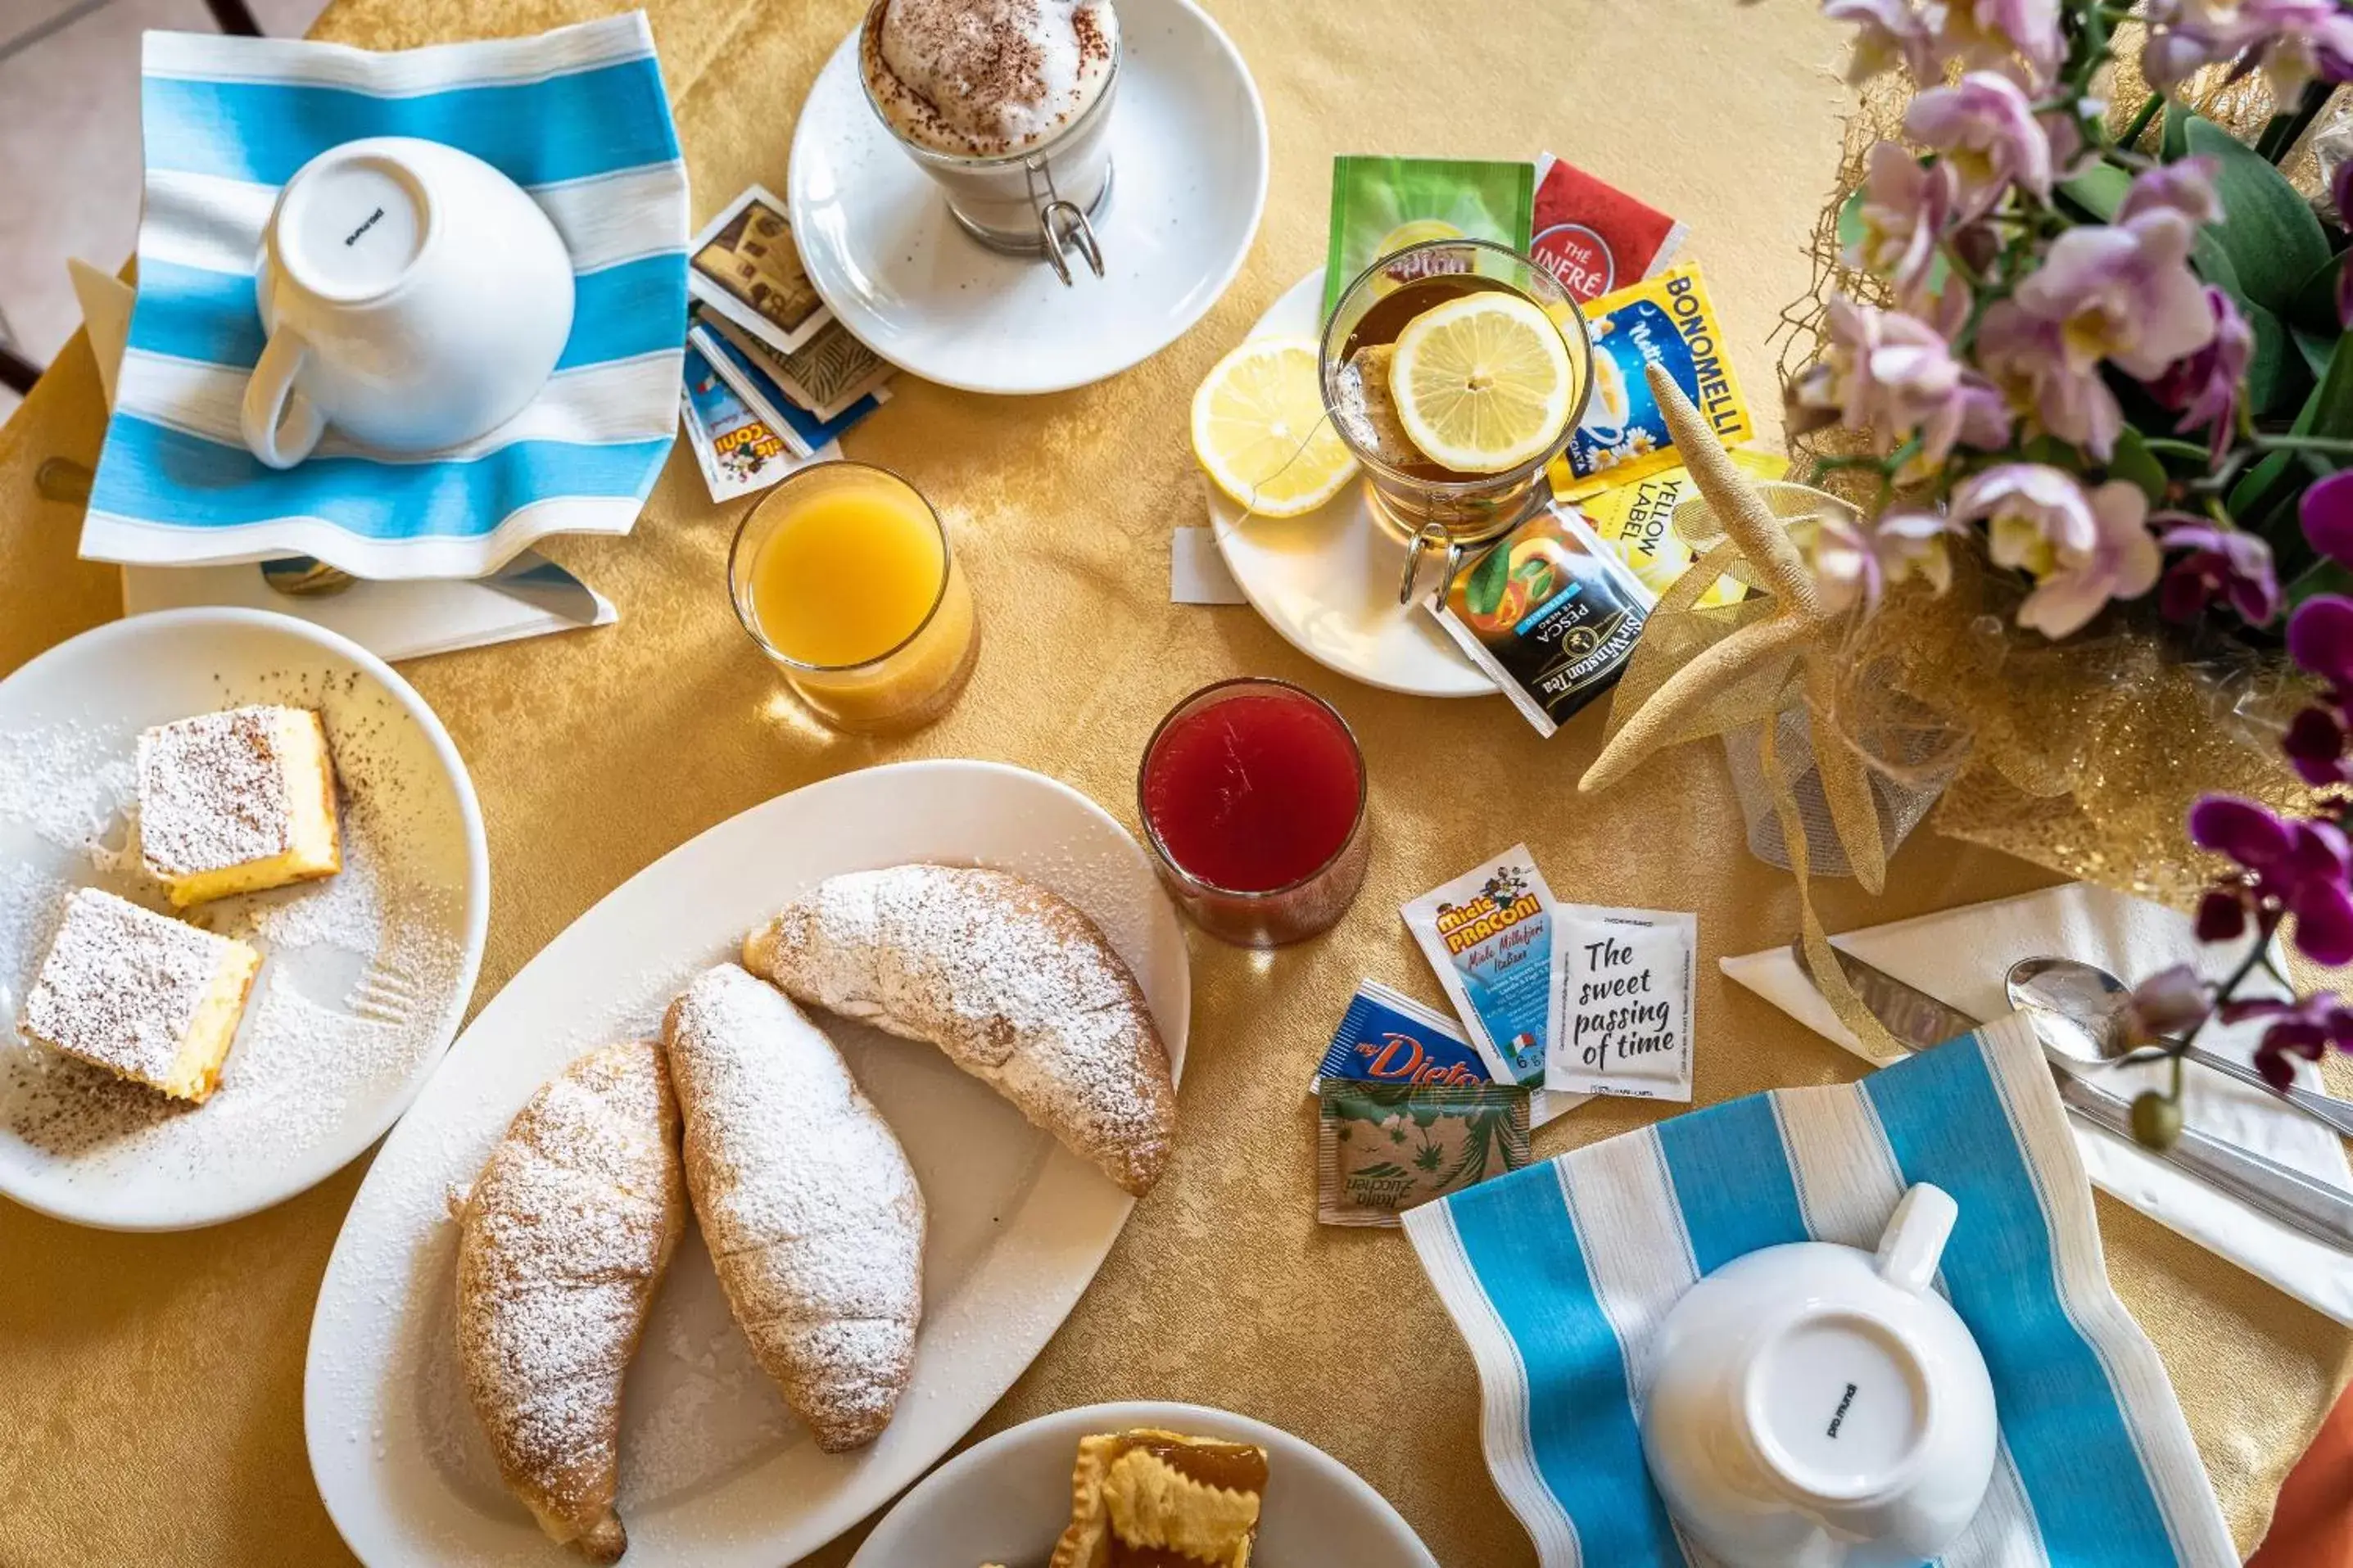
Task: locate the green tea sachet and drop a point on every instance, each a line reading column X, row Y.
column 1380, row 205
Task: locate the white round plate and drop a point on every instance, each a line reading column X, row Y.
column 1189, row 182
column 1327, row 580
column 1006, row 1499
column 714, row 1471
column 364, row 975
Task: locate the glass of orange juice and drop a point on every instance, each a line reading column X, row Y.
column 843, row 576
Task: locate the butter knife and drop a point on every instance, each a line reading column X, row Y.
column 1919, row 1021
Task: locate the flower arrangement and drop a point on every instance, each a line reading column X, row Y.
column 2118, row 374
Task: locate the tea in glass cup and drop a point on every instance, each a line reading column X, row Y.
column 1455, row 370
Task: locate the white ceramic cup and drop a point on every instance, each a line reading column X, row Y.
column 415, row 298
column 1820, row 1407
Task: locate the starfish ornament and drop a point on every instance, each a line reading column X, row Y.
column 1798, row 636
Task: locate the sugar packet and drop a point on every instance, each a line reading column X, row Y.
column 1384, row 1148
column 1488, row 935
column 1626, row 994
column 1668, row 321
column 745, row 266
column 1549, row 612
column 1593, row 237
column 1636, row 520
column 1387, row 1037
column 801, row 430
column 1380, row 205
column 734, row 446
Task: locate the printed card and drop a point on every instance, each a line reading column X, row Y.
column 1626, row 987
column 832, row 371
column 744, row 266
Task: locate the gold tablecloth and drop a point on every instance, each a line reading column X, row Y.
column 151, row 1386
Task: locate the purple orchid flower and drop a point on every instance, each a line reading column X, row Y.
column 2083, row 549
column 2305, row 1028
column 2292, row 41
column 2028, row 359
column 1985, row 126
column 2327, row 513
column 1888, row 34
column 2124, row 291
column 2172, row 1001
column 2320, row 639
column 2303, row 864
column 2205, row 385
column 1994, row 32
column 1892, row 374
column 1906, row 205
column 2222, row 562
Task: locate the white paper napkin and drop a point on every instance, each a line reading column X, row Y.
column 1961, row 956
column 391, row 620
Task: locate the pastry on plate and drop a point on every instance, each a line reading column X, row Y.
column 147, row 997
column 563, row 1240
column 237, row 801
column 1149, row 1498
column 815, row 1222
column 1011, row 979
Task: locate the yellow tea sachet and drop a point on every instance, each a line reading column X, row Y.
column 1669, row 321
column 1636, row 520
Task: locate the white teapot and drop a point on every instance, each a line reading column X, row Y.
column 1820, row 1407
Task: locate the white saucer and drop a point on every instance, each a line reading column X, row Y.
column 1006, row 1499
column 1327, row 580
column 1188, row 164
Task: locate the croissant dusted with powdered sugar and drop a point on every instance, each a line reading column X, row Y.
column 814, row 1219
column 561, row 1242
column 1011, row 979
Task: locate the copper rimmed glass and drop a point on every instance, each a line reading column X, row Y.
column 902, row 689
column 1271, row 917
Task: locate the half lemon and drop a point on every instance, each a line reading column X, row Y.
column 1259, row 429
column 1482, row 382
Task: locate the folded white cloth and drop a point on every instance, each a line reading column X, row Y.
column 578, row 117
column 392, row 620
column 1961, row 957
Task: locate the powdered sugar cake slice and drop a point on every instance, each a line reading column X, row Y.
column 714, row 1470
column 364, row 976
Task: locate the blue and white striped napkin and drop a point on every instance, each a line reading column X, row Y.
column 1559, row 1274
column 578, row 117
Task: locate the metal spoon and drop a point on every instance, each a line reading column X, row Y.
column 2082, row 999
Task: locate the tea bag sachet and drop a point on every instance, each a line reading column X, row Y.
column 1667, row 321
column 1626, row 992
column 1637, row 520
column 1594, row 236
column 1549, row 612
column 1380, row 205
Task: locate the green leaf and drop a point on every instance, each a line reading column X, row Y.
column 2314, row 306
column 2098, row 190
column 1850, row 222
column 2320, row 577
column 2135, row 461
column 2272, row 237
column 2274, row 483
column 1485, row 589
column 2316, row 349
column 2277, row 379
column 2173, row 141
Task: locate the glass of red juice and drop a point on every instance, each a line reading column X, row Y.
column 1253, row 795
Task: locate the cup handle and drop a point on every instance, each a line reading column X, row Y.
column 1914, row 1238
column 1430, row 533
column 280, row 423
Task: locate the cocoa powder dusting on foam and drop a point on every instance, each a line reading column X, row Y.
column 987, row 78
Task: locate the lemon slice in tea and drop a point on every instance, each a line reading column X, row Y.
column 1482, row 382
column 1260, row 432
